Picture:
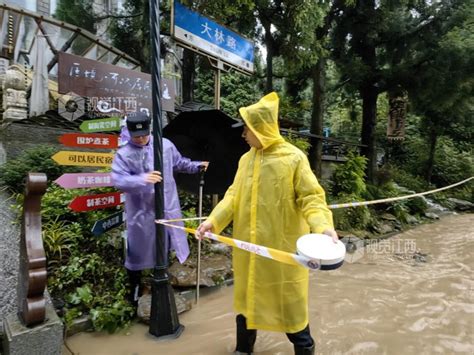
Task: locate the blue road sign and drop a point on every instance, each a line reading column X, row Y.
column 216, row 40
column 108, row 223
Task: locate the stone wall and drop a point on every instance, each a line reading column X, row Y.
column 14, row 139
column 19, row 137
column 9, row 258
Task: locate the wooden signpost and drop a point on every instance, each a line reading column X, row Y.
column 110, row 222
column 83, row 158
column 96, row 202
column 132, row 92
column 83, row 140
column 84, row 180
column 101, row 125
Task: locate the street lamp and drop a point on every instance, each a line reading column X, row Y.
column 164, row 322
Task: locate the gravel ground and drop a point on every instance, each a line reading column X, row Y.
column 9, row 257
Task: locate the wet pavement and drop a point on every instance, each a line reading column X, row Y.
column 411, row 294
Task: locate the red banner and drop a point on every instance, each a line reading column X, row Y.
column 95, row 202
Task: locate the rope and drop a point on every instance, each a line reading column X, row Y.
column 282, row 256
column 365, row 203
column 359, row 203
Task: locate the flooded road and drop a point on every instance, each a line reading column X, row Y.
column 411, row 294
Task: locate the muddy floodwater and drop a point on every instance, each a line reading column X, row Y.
column 410, row 294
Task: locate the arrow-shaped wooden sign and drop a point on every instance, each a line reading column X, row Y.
column 101, row 125
column 83, row 180
column 95, row 202
column 83, row 158
column 103, row 225
column 84, row 140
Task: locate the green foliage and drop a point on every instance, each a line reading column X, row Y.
column 408, row 180
column 71, row 314
column 353, row 218
column 301, row 143
column 400, row 209
column 76, row 12
column 348, row 178
column 58, row 238
column 130, row 31
column 92, row 284
column 81, row 295
column 38, row 160
column 237, row 90
column 112, row 316
column 451, row 165
column 348, row 185
column 463, row 192
column 84, row 271
column 296, row 109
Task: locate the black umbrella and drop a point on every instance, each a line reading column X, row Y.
column 207, row 135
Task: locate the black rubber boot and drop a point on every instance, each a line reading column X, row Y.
column 299, row 350
column 134, row 279
column 245, row 337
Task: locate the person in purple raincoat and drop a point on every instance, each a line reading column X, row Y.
column 132, row 172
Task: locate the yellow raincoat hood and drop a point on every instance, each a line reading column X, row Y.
column 274, row 199
column 262, row 119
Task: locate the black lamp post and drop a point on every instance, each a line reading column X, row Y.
column 164, row 320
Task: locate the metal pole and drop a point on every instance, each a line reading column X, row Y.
column 217, row 89
column 198, row 271
column 217, row 105
column 164, row 322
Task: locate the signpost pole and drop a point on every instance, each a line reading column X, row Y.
column 164, row 320
column 217, row 88
column 217, row 104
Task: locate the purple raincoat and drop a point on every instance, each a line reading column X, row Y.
column 130, row 165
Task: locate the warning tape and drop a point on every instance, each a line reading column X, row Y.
column 270, row 253
column 282, row 256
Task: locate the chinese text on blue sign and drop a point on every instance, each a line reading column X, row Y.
column 198, row 31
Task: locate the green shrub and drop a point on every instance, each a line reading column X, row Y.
column 348, row 178
column 352, row 218
column 451, row 165
column 59, row 238
column 84, row 271
column 412, row 182
column 348, row 185
column 38, row 160
column 301, row 143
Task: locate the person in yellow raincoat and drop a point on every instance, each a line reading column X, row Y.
column 274, row 199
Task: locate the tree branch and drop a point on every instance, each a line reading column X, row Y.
column 104, row 17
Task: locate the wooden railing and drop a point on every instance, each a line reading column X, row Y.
column 32, row 275
column 333, row 148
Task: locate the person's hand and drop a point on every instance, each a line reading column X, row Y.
column 153, row 177
column 204, row 165
column 332, row 233
column 203, row 228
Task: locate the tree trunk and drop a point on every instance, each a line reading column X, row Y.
column 189, row 68
column 316, row 150
column 433, row 139
column 269, row 59
column 369, row 96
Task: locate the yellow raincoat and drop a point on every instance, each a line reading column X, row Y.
column 274, row 199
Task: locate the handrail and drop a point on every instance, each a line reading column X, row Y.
column 77, row 30
column 32, row 275
column 326, row 139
